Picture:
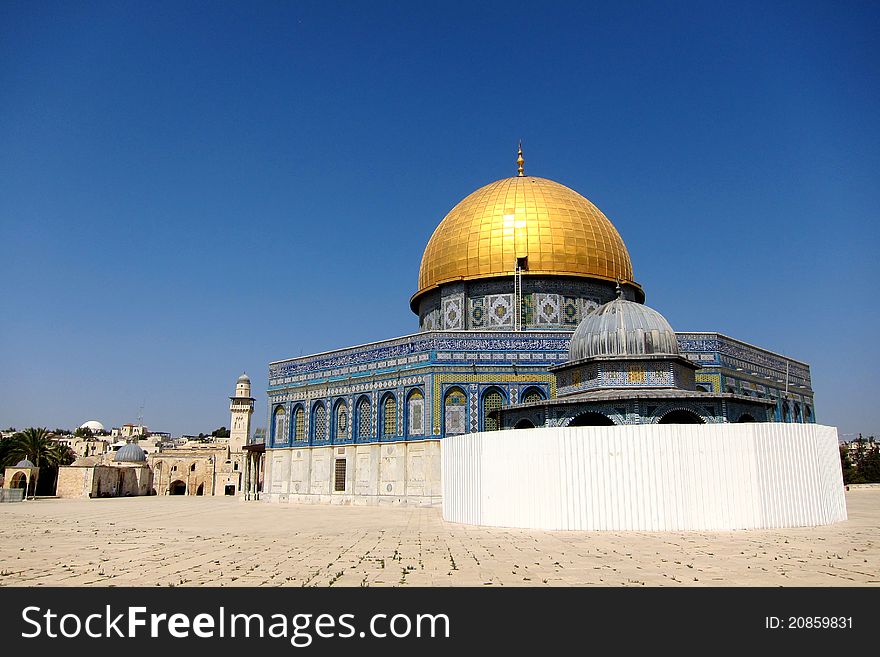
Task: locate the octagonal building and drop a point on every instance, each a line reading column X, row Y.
column 507, row 277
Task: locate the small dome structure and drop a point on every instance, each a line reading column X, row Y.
column 94, row 425
column 24, row 463
column 130, row 453
column 622, row 328
column 244, row 378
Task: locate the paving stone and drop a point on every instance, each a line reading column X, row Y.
column 203, row 541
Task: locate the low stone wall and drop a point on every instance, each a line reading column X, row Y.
column 11, row 495
column 369, row 474
column 646, row 477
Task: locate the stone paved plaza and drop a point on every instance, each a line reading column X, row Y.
column 192, row 541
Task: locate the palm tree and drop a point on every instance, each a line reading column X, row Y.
column 37, row 446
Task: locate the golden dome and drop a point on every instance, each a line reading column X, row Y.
column 558, row 230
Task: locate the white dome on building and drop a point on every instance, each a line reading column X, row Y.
column 94, row 425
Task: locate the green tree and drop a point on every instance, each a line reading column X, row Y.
column 36, row 445
column 33, row 444
column 5, row 449
column 849, row 471
column 222, row 432
column 83, row 432
column 870, row 466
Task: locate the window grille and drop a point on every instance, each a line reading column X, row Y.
column 364, row 419
column 339, row 479
column 389, row 426
column 491, row 401
column 320, row 422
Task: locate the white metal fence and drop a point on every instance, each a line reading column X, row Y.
column 645, row 477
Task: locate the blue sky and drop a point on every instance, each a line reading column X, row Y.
column 189, row 190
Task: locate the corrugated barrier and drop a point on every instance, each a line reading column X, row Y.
column 645, row 477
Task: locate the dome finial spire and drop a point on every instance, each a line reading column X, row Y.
column 618, row 289
column 519, row 161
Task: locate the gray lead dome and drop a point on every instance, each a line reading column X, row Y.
column 130, row 453
column 622, row 328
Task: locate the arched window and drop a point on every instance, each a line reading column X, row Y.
column 319, row 421
column 299, row 423
column 389, row 416
column 340, row 421
column 591, row 419
column 532, row 395
column 415, row 414
column 680, row 416
column 492, row 400
column 278, row 432
column 454, row 411
column 525, row 423
column 364, row 418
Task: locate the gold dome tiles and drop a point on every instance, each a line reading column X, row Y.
column 560, row 232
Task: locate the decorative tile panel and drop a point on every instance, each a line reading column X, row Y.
column 547, row 308
column 570, row 311
column 499, row 310
column 453, row 313
column 477, row 312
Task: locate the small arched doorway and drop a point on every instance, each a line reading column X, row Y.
column 200, row 490
column 525, row 423
column 19, row 480
column 680, row 416
column 591, row 419
column 746, row 417
column 177, row 487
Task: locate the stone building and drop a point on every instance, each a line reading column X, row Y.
column 504, row 281
column 212, row 468
column 83, row 447
column 126, row 474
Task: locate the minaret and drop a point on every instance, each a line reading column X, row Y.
column 242, row 407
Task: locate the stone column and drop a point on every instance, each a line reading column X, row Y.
column 246, row 483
